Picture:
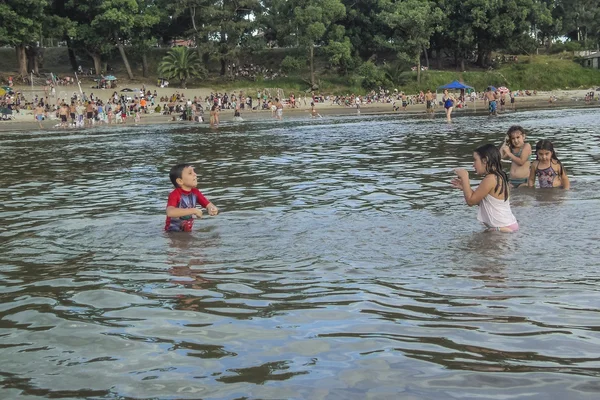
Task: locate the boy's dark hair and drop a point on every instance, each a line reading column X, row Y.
column 176, row 173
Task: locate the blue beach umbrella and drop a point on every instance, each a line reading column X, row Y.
column 493, row 89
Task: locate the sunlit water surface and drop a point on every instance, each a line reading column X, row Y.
column 342, row 265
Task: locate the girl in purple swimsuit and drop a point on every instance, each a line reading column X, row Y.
column 547, row 168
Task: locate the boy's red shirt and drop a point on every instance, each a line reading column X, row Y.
column 184, row 199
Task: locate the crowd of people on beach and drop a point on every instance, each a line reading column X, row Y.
column 134, row 103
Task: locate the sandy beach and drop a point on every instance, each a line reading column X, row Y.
column 542, row 100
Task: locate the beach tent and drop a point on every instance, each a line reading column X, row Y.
column 455, row 85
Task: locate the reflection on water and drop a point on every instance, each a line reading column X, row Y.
column 342, row 265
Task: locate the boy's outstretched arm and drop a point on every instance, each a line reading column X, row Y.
column 212, row 209
column 176, row 212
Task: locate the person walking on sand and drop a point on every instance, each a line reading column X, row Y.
column 39, row 114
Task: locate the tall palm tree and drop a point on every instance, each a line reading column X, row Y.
column 183, row 64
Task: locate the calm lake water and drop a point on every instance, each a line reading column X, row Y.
column 343, row 265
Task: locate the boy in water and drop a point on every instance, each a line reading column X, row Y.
column 181, row 206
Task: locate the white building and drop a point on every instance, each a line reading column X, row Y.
column 592, row 60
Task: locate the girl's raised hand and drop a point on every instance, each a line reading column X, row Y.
column 457, row 183
column 462, row 176
column 461, row 173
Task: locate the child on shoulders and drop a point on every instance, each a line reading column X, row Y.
column 518, row 151
column 492, row 194
column 548, row 169
column 182, row 202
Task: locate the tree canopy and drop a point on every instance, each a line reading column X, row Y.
column 348, row 32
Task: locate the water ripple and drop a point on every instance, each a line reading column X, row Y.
column 342, row 265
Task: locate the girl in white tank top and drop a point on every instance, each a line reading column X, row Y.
column 492, row 194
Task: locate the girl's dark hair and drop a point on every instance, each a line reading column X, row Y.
column 511, row 130
column 490, row 155
column 545, row 144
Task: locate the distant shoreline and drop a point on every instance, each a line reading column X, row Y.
column 564, row 100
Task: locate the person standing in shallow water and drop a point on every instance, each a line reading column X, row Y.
column 183, row 201
column 491, row 98
column 493, row 193
column 448, row 101
column 214, row 116
column 39, row 114
column 279, row 109
column 429, row 102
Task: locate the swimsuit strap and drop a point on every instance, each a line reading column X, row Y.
column 518, row 154
column 546, row 176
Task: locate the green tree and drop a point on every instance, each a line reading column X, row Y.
column 581, row 19
column 312, row 19
column 340, row 54
column 496, row 24
column 183, row 64
column 411, row 24
column 220, row 27
column 362, row 27
column 63, row 27
column 21, row 26
column 114, row 22
column 90, row 38
column 146, row 29
column 545, row 25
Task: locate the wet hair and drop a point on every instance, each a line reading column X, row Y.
column 491, row 157
column 545, row 144
column 511, row 130
column 176, row 173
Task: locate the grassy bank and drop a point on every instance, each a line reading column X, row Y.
column 533, row 73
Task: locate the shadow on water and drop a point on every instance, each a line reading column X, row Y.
column 342, row 265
